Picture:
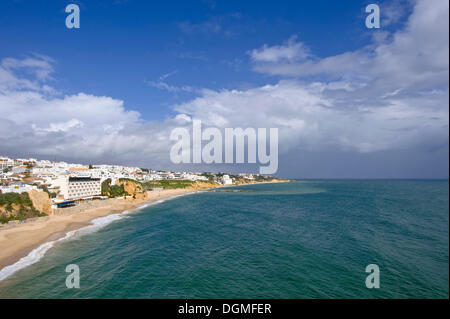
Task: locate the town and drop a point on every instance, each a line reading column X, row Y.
column 68, row 184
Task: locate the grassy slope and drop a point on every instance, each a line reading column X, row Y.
column 17, row 207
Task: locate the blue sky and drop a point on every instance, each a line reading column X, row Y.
column 202, row 44
column 158, row 59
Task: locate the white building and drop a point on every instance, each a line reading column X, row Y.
column 78, row 187
column 194, row 177
column 226, row 180
column 18, row 188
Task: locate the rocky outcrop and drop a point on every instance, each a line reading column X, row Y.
column 41, row 201
column 133, row 188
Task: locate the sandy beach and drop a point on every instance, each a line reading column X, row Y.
column 19, row 240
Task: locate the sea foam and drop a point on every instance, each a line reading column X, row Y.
column 36, row 254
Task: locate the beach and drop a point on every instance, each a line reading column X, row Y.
column 19, row 240
column 268, row 241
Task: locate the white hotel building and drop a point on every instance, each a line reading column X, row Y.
column 78, row 187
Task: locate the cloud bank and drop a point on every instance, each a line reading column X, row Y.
column 389, row 96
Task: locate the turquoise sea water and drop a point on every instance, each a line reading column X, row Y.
column 308, row 239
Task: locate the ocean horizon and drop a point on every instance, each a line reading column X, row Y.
column 304, row 239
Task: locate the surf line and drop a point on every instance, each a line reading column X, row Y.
column 95, row 224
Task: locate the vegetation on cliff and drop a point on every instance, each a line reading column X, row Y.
column 124, row 187
column 211, row 182
column 15, row 206
column 45, row 189
column 113, row 190
column 169, row 184
column 124, row 180
column 133, row 187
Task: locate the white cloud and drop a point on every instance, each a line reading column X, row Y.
column 309, row 118
column 60, row 126
column 291, row 50
column 393, row 11
column 388, row 96
column 37, row 121
column 40, row 65
column 415, row 57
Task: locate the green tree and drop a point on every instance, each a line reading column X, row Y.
column 105, row 187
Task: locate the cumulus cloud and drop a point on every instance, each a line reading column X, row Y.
column 312, row 117
column 36, row 121
column 393, row 11
column 391, row 95
column 415, row 56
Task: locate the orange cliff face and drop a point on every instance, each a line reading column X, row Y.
column 19, row 207
column 135, row 189
column 198, row 185
column 41, row 201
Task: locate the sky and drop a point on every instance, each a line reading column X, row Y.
column 348, row 101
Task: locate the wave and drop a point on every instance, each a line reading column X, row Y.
column 98, row 223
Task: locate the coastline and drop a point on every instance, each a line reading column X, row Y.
column 20, row 241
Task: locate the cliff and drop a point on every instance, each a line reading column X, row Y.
column 198, row 185
column 41, row 201
column 19, row 207
column 203, row 185
column 133, row 188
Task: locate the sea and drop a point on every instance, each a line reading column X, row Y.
column 303, row 239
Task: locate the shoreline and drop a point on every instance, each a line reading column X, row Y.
column 31, row 237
